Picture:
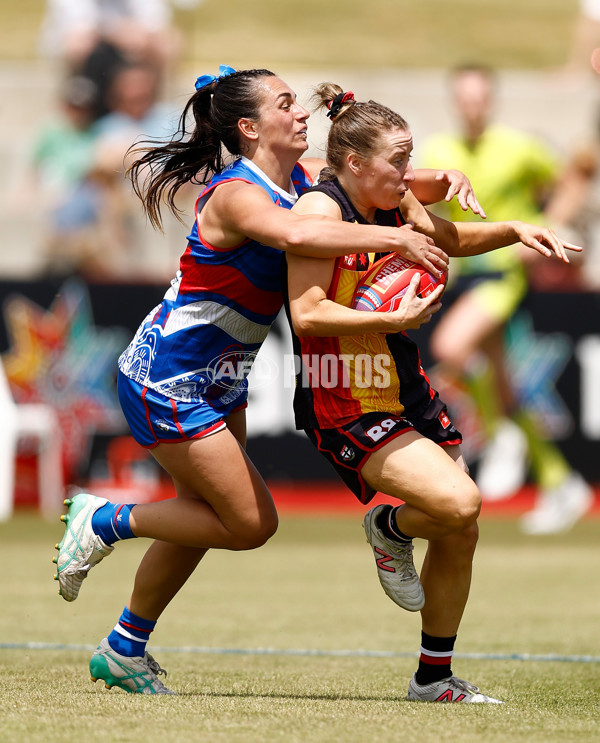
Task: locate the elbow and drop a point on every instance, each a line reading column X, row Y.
column 294, row 240
column 302, row 326
column 299, row 234
column 451, row 241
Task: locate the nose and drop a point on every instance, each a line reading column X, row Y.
column 301, row 112
column 409, row 173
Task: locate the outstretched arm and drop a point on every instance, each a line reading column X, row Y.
column 461, row 239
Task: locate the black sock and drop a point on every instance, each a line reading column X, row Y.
column 386, row 521
column 435, row 661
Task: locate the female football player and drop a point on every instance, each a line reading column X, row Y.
column 383, row 427
column 183, row 379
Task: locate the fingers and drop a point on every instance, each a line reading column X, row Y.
column 435, row 262
column 431, row 310
column 455, row 190
column 544, row 240
column 437, row 292
column 534, row 243
column 461, row 188
column 475, row 206
column 413, row 288
column 556, row 246
column 421, row 249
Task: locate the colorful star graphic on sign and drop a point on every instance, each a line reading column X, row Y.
column 59, row 357
column 535, row 362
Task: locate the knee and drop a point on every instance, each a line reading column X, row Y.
column 255, row 534
column 461, row 512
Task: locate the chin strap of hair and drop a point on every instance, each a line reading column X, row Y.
column 204, row 80
column 335, row 106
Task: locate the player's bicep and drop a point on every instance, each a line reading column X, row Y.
column 309, row 278
column 239, row 210
column 308, row 284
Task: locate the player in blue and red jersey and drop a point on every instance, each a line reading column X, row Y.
column 182, row 381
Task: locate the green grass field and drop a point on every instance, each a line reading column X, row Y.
column 311, row 588
column 341, row 33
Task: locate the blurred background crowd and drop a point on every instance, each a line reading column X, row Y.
column 92, row 77
column 104, row 74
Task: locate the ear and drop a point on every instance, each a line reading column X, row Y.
column 355, row 164
column 248, row 128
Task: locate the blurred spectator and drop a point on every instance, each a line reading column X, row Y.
column 95, row 38
column 98, row 230
column 63, row 147
column 141, row 29
column 134, row 108
column 575, row 205
column 92, row 223
column 56, row 176
column 512, row 174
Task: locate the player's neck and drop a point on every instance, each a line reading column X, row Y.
column 278, row 170
column 352, row 190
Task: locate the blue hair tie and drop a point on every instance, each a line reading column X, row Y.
column 204, row 80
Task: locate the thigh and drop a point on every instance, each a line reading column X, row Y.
column 236, row 423
column 419, row 472
column 217, row 470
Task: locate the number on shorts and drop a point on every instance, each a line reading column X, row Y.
column 377, row 432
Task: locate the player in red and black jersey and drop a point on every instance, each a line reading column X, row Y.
column 363, row 397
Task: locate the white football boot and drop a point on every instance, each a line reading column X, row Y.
column 80, row 548
column 395, row 566
column 451, row 689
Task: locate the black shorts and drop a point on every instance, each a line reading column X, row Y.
column 347, row 448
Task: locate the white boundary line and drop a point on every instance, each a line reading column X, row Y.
column 551, row 658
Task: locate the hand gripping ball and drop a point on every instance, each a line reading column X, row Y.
column 386, row 282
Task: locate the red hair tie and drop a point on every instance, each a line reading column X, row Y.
column 335, row 106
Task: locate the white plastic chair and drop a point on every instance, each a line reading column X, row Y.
column 39, row 422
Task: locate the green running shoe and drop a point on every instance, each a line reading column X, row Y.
column 135, row 675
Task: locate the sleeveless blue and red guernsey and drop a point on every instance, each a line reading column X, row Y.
column 199, row 343
column 341, row 378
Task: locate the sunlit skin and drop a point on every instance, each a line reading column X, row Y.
column 282, row 124
column 381, row 181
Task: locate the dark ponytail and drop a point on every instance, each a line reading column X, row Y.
column 195, row 152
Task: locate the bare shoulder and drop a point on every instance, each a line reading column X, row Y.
column 233, row 194
column 317, row 203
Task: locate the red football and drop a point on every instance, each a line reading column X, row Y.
column 386, row 282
